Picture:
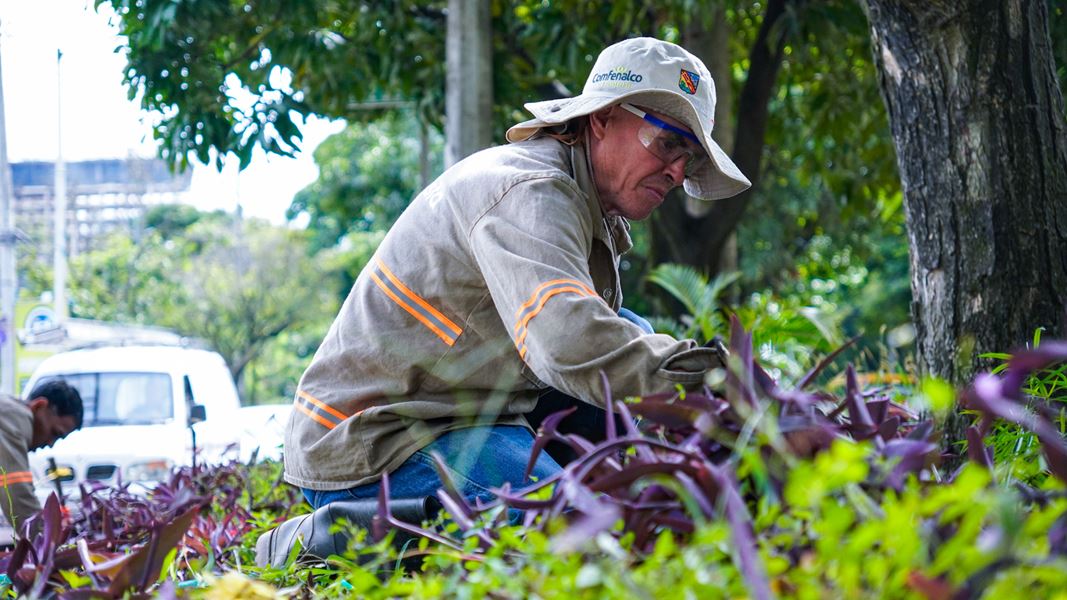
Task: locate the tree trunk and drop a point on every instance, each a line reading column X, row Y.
column 699, row 241
column 978, row 123
column 711, row 42
column 469, row 80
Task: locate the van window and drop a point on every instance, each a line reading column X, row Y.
column 122, row 398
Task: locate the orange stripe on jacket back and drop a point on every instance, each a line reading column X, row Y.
column 418, row 299
column 328, row 424
column 319, row 403
column 445, row 337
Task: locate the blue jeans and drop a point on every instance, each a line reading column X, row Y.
column 478, row 459
column 636, row 319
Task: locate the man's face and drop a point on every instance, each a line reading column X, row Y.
column 48, row 427
column 631, row 180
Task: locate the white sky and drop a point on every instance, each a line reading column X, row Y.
column 100, row 122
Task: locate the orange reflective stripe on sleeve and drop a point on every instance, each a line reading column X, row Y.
column 326, row 415
column 415, row 305
column 15, row 477
column 540, row 296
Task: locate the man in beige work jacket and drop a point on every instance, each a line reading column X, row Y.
column 500, row 281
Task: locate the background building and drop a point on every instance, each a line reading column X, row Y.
column 102, row 196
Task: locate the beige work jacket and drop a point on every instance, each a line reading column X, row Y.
column 500, row 278
column 17, row 499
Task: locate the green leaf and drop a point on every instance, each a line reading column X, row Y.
column 938, row 395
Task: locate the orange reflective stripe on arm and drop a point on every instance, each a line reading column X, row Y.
column 415, row 305
column 536, row 302
column 15, row 477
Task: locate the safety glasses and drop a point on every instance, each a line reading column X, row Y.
column 669, row 143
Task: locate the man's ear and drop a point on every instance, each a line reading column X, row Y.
column 598, row 122
column 37, row 403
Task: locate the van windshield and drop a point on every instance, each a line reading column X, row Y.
column 122, row 398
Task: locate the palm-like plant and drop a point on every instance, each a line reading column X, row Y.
column 787, row 334
column 704, row 318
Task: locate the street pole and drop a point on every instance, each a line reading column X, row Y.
column 7, row 261
column 59, row 238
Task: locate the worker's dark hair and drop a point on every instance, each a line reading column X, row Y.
column 63, row 397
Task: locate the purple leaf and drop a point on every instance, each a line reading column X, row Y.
column 741, row 382
column 676, row 520
column 887, row 430
column 384, row 520
column 763, row 380
column 878, row 410
column 912, row 455
column 586, row 528
column 860, row 424
column 671, row 415
column 456, row 500
column 697, row 493
column 922, row 431
column 747, row 555
column 631, row 429
column 609, row 406
column 806, row 434
column 986, row 395
column 977, row 450
column 1023, row 363
column 630, row 474
column 143, row 569
column 1057, row 536
column 545, row 434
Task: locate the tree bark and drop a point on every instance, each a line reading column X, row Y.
column 699, row 241
column 977, row 119
column 469, row 80
column 711, row 42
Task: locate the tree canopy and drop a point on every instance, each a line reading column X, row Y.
column 237, row 285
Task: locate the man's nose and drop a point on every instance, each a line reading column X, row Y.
column 676, row 170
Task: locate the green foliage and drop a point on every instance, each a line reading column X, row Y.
column 788, row 334
column 34, row 272
column 248, row 289
column 271, row 377
column 700, row 298
column 1017, row 451
column 1058, row 34
column 368, row 174
column 229, row 77
column 825, row 536
column 235, row 284
column 834, row 523
column 127, row 280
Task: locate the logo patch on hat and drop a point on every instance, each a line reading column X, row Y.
column 688, row 81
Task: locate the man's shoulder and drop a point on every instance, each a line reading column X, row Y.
column 9, row 403
column 15, row 417
column 509, row 164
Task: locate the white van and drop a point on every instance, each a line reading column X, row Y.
column 142, row 406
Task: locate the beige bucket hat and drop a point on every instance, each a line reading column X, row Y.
column 660, row 76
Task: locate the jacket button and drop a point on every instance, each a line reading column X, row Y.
column 608, row 292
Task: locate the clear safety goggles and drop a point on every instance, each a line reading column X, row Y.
column 669, row 143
